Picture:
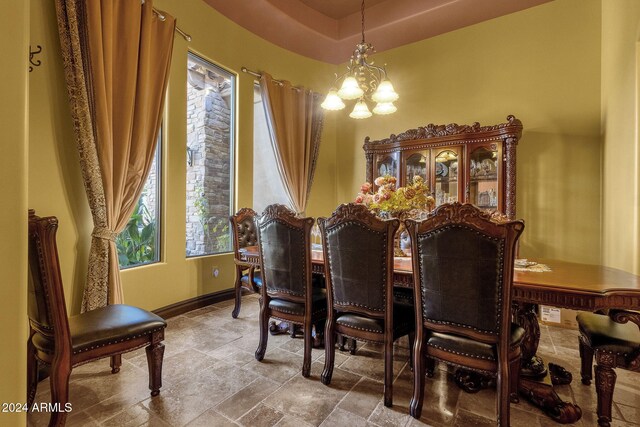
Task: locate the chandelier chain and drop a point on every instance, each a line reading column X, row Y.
column 362, row 13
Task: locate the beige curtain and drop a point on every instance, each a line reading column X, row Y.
column 116, row 56
column 295, row 123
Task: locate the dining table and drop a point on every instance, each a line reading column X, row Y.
column 563, row 284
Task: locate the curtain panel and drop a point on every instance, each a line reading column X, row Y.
column 295, row 123
column 116, row 55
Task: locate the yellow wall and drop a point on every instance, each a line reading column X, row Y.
column 14, row 45
column 56, row 185
column 621, row 153
column 542, row 65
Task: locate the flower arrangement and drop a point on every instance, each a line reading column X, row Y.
column 393, row 201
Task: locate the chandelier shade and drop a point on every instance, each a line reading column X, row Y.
column 385, row 92
column 350, row 89
column 360, row 111
column 332, row 102
column 363, row 81
column 385, row 108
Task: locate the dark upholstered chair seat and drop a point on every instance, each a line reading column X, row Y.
column 358, row 249
column 403, row 321
column 465, row 346
column 317, row 281
column 244, row 234
column 614, row 340
column 318, row 299
column 602, row 333
column 257, row 279
column 462, row 262
column 403, row 296
column 62, row 342
column 104, row 326
column 284, row 241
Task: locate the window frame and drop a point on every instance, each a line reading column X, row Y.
column 158, row 204
column 233, row 77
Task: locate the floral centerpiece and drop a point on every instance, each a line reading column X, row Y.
column 410, row 201
column 392, row 202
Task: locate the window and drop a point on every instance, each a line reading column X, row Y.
column 267, row 184
column 139, row 243
column 210, row 144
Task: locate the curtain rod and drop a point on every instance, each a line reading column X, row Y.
column 259, row 75
column 161, row 17
column 280, row 82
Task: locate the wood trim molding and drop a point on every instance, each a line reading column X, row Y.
column 190, row 304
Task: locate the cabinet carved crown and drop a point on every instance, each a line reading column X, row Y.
column 464, row 163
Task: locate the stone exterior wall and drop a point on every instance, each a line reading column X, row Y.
column 209, row 171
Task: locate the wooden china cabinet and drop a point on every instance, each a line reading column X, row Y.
column 465, row 163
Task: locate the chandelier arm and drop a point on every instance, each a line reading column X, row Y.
column 377, row 75
column 341, row 76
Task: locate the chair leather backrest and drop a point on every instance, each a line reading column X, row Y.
column 461, row 277
column 45, row 300
column 244, row 228
column 357, row 251
column 284, row 248
column 464, row 259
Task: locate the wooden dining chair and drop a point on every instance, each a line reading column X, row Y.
column 63, row 342
column 615, row 341
column 288, row 293
column 463, row 272
column 244, row 234
column 358, row 261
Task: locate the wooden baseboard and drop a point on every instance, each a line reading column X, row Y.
column 185, row 306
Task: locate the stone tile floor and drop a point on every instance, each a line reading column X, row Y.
column 210, row 378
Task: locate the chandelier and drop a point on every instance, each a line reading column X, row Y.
column 363, row 81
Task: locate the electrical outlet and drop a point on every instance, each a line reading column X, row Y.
column 215, row 271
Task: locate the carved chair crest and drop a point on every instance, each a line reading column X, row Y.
column 359, row 213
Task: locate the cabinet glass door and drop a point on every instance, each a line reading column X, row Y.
column 446, row 176
column 387, row 165
column 415, row 164
column 483, row 177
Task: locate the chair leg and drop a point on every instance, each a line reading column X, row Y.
column 430, row 366
column 155, row 354
column 415, row 407
column 342, row 340
column 502, row 399
column 32, row 372
column 605, row 383
column 116, row 362
column 264, row 329
column 388, row 371
column 514, row 378
column 412, row 339
column 352, row 346
column 238, row 290
column 586, row 361
column 59, row 380
column 306, row 361
column 329, row 352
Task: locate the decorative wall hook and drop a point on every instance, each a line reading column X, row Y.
column 37, row 62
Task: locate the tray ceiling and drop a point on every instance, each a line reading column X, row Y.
column 328, row 30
